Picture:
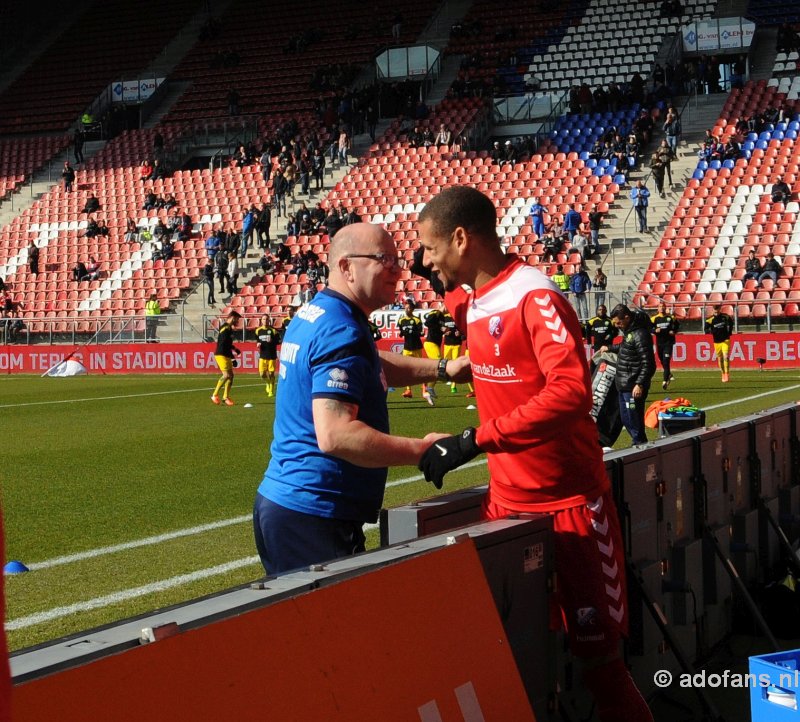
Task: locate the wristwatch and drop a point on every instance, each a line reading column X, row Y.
column 441, row 370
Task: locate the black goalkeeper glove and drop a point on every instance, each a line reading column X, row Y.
column 448, row 454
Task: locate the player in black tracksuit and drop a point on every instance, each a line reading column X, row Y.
column 666, row 328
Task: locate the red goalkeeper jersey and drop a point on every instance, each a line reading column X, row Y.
column 534, row 394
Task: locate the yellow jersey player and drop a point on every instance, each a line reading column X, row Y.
column 720, row 326
column 410, row 328
column 452, row 341
column 268, row 338
column 286, row 321
column 224, row 358
column 433, row 343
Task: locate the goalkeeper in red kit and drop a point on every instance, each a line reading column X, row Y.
column 534, row 397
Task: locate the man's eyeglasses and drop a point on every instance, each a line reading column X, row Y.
column 385, row 259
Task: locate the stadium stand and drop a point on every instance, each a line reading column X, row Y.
column 128, row 275
column 53, row 92
column 595, row 51
column 280, row 51
column 726, row 210
column 20, row 157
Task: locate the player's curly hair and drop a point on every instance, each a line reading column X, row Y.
column 461, row 206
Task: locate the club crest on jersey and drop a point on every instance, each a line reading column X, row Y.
column 495, row 326
column 585, row 616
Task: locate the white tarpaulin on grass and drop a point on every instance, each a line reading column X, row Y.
column 71, row 367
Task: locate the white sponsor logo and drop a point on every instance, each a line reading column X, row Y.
column 289, row 352
column 442, row 450
column 310, row 313
column 497, row 372
column 338, row 379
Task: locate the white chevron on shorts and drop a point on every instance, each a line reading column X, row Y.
column 597, row 506
column 610, row 571
column 614, row 592
column 601, row 527
column 607, row 550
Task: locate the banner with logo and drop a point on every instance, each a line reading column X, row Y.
column 775, row 350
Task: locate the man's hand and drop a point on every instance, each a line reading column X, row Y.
column 459, row 370
column 638, row 391
column 447, row 454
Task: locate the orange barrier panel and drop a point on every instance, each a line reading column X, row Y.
column 416, row 640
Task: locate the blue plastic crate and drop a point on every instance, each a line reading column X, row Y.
column 777, row 690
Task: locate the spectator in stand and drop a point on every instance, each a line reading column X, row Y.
column 580, row 246
column 752, row 267
column 572, row 222
column 672, row 129
column 600, row 283
column 79, row 272
column 552, row 245
column 33, row 258
column 233, row 273
column 304, row 173
column 263, row 223
column 595, row 219
column 580, row 285
column 92, row 269
column 95, row 228
column 92, row 205
column 221, row 265
column 444, row 136
column 344, row 147
column 208, row 277
column 318, row 168
column 131, row 231
column 150, row 201
column 145, row 170
column 497, row 153
column 643, row 127
column 667, row 156
column 771, row 270
column 279, row 189
column 240, row 157
column 248, row 226
column 158, row 171
column 658, row 168
column 781, row 193
column 213, row 244
column 640, row 196
column 537, row 218
column 68, row 176
column 561, row 279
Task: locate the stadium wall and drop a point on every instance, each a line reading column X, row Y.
column 779, row 350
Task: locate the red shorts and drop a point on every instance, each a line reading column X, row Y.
column 591, row 596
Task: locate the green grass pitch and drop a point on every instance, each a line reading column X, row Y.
column 100, row 461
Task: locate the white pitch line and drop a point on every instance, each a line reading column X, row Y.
column 751, row 398
column 121, row 396
column 125, row 595
column 147, row 541
column 189, row 531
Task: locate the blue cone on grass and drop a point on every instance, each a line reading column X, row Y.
column 15, row 567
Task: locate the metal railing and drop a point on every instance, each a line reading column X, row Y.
column 97, row 330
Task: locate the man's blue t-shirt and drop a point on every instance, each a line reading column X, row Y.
column 328, row 352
